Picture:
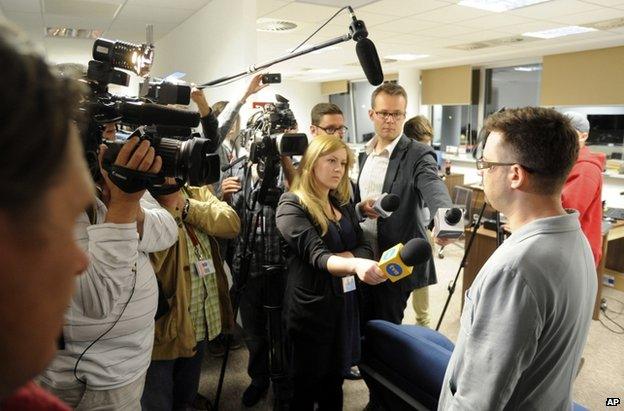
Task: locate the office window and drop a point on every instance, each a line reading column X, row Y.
column 454, row 125
column 512, row 87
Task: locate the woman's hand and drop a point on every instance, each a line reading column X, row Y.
column 368, row 271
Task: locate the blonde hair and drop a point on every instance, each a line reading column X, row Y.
column 305, row 185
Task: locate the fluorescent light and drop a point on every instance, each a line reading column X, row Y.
column 406, row 57
column 560, row 32
column 499, row 6
column 319, row 71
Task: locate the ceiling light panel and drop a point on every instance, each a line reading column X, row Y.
column 499, row 6
column 559, row 32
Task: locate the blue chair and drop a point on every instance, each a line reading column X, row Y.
column 404, row 365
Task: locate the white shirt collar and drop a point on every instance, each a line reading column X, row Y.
column 370, row 146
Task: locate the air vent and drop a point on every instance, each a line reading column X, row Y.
column 504, row 41
column 607, row 24
column 69, row 32
column 275, row 26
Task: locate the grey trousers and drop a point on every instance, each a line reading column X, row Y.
column 126, row 398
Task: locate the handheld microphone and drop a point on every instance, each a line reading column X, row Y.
column 386, row 204
column 397, row 262
column 448, row 223
column 232, row 164
column 148, row 114
column 366, row 51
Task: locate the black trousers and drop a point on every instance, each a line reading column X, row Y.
column 317, row 374
column 172, row 384
column 254, row 318
column 385, row 301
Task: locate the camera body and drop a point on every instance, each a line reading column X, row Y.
column 186, row 158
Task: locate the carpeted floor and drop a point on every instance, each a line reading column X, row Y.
column 602, row 375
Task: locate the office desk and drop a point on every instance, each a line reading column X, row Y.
column 485, row 244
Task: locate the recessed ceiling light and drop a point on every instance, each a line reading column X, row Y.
column 406, row 57
column 499, row 6
column 559, row 32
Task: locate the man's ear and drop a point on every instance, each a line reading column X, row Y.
column 371, row 113
column 582, row 137
column 518, row 177
column 312, row 129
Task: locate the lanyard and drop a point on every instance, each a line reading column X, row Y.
column 196, row 245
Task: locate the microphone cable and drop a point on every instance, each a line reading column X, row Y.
column 319, row 29
column 134, row 270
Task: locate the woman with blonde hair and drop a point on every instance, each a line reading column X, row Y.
column 327, row 248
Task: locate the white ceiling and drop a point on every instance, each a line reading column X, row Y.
column 396, row 26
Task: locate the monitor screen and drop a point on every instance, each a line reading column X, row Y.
column 605, row 129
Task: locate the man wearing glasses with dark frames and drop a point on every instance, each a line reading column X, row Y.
column 527, row 314
column 327, row 118
column 396, row 164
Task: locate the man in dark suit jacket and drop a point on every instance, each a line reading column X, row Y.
column 410, row 171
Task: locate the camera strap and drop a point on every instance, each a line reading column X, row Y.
column 131, row 181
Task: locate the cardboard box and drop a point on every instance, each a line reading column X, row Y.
column 613, row 279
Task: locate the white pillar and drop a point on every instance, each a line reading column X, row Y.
column 409, row 78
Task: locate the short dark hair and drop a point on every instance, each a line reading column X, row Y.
column 390, row 88
column 418, row 128
column 36, row 106
column 321, row 109
column 540, row 139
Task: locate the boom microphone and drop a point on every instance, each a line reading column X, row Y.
column 369, row 60
column 366, row 51
column 148, row 114
column 398, row 261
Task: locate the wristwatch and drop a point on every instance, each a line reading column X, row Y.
column 185, row 209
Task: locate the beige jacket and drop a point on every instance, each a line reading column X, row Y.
column 174, row 336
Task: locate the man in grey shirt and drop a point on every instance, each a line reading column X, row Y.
column 526, row 316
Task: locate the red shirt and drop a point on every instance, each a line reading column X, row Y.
column 32, row 397
column 583, row 192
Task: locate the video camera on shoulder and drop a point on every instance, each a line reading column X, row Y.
column 169, row 130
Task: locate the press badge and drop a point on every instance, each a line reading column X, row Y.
column 348, row 284
column 204, row 267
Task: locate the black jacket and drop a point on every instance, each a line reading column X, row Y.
column 312, row 300
column 413, row 176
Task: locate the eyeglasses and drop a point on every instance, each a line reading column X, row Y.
column 332, row 130
column 482, row 165
column 386, row 115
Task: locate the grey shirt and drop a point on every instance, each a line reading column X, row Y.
column 525, row 322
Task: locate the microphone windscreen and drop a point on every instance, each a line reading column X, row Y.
column 390, row 202
column 453, row 215
column 148, row 114
column 369, row 60
column 415, row 251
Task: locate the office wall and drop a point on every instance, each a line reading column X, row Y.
column 447, row 86
column 591, row 77
column 216, row 42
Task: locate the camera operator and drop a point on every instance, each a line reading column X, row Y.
column 109, row 326
column 45, row 185
column 195, row 287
